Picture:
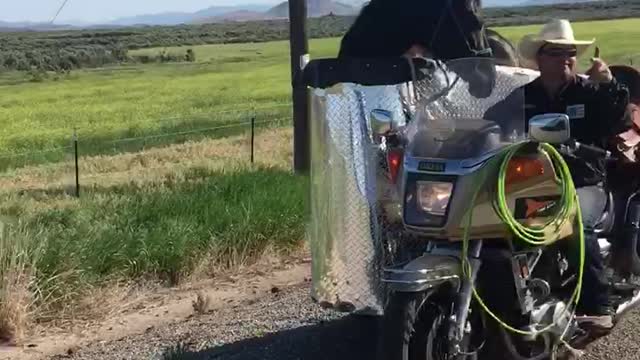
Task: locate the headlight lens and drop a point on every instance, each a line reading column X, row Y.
column 433, row 197
column 427, row 198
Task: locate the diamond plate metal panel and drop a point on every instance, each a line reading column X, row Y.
column 350, row 234
column 345, row 230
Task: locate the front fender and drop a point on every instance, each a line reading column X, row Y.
column 423, row 273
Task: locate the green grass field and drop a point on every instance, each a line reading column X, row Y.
column 161, row 212
column 111, row 103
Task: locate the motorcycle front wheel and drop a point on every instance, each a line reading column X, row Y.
column 415, row 326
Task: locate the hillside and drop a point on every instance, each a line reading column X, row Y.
column 213, row 14
column 169, row 18
column 194, row 17
column 501, row 3
column 511, row 3
column 315, row 8
column 555, row 2
column 576, row 11
column 30, row 26
column 354, row 3
column 237, row 16
column 253, row 12
column 162, row 19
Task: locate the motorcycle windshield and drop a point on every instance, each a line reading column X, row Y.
column 477, row 109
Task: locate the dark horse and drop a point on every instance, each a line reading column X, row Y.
column 445, row 29
column 448, row 29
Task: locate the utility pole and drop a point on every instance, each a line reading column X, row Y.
column 299, row 59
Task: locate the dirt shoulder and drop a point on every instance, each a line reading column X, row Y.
column 159, row 308
column 285, row 325
column 262, row 312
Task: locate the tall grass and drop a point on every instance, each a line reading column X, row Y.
column 162, row 214
column 198, row 219
column 166, row 229
column 20, row 253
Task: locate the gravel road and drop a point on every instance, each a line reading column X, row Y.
column 286, row 325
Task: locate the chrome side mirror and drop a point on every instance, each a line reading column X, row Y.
column 381, row 121
column 553, row 128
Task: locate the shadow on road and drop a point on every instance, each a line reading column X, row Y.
column 351, row 337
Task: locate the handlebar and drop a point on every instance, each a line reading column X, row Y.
column 594, row 151
column 578, row 149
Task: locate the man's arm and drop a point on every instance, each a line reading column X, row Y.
column 610, row 99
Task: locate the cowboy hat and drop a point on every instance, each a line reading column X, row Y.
column 557, row 32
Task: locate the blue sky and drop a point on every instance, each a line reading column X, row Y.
column 100, row 10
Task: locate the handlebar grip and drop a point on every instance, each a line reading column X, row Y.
column 589, row 150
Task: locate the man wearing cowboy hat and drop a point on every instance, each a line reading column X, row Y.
column 595, row 104
column 554, row 52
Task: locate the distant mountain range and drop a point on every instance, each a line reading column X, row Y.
column 315, row 8
column 507, row 3
column 501, row 3
column 176, row 18
column 30, row 26
column 552, row 2
column 245, row 12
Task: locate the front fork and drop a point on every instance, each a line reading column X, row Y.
column 458, row 320
column 437, row 267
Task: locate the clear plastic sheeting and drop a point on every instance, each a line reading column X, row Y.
column 344, row 229
column 478, row 113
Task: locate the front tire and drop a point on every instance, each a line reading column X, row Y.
column 413, row 328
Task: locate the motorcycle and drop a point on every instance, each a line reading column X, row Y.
column 527, row 290
column 473, row 245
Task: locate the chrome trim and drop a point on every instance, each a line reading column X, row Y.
column 463, row 301
column 627, row 306
column 422, row 273
column 523, row 283
column 604, row 246
column 422, row 281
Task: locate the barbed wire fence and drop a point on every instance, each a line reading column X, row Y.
column 168, row 131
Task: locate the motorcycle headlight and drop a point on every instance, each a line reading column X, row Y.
column 433, row 197
column 427, row 198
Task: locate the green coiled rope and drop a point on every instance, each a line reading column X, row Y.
column 533, row 235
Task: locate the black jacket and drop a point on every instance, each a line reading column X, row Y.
column 596, row 114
